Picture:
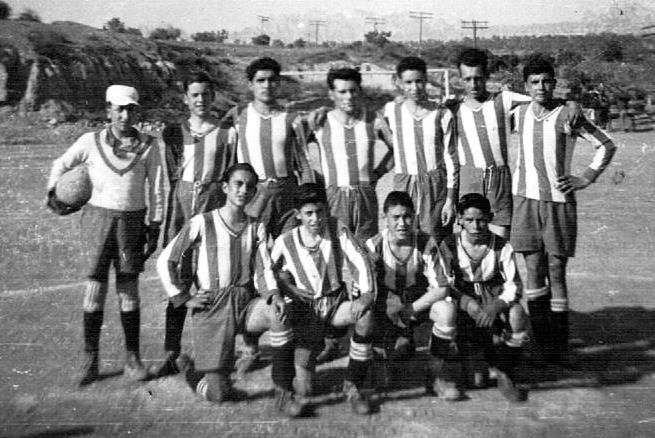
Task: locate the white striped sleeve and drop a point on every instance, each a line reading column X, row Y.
column 450, row 153
column 361, row 269
column 265, row 283
column 155, row 177
column 431, row 263
column 605, row 148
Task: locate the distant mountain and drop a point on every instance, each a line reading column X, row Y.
column 351, row 25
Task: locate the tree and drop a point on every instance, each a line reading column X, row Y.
column 29, row 14
column 114, row 25
column 277, row 43
column 261, row 40
column 165, row 33
column 213, row 36
column 377, row 38
column 613, row 51
column 299, row 43
column 5, row 10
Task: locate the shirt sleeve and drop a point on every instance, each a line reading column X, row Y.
column 173, row 150
column 359, row 263
column 383, row 132
column 78, row 153
column 512, row 286
column 155, row 177
column 450, row 156
column 431, row 266
column 511, row 100
column 605, row 147
column 265, row 281
column 170, row 264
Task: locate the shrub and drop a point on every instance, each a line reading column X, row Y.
column 261, row 40
column 29, row 14
column 165, row 33
column 5, row 10
column 213, row 36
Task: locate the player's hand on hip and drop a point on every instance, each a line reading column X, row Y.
column 447, row 213
column 361, row 305
column 490, row 312
column 570, row 183
column 279, row 308
column 200, row 302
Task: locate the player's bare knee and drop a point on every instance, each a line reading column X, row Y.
column 518, row 318
column 127, row 287
column 95, row 294
column 365, row 325
column 443, row 313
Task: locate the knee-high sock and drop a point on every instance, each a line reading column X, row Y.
column 92, row 327
column 539, row 308
column 283, row 369
column 361, row 357
column 131, row 322
column 175, row 317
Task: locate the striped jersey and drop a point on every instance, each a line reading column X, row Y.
column 118, row 180
column 224, row 257
column 275, row 145
column 415, row 271
column 546, row 151
column 471, row 276
column 482, row 133
column 347, row 152
column 423, row 144
column 319, row 269
column 198, row 158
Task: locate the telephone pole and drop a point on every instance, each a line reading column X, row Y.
column 375, row 21
column 317, row 24
column 475, row 25
column 262, row 19
column 420, row 16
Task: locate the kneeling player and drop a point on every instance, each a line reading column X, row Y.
column 310, row 261
column 232, row 251
column 480, row 270
column 408, row 292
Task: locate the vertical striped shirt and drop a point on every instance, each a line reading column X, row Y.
column 482, row 133
column 546, row 151
column 275, row 144
column 423, row 144
column 347, row 152
column 497, row 266
column 415, row 271
column 224, row 257
column 319, row 270
column 198, row 158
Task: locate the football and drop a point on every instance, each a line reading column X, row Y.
column 74, row 187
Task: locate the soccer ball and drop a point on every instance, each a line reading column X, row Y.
column 74, row 187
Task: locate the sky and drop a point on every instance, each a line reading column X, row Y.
column 202, row 15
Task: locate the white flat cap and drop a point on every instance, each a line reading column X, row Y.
column 122, row 95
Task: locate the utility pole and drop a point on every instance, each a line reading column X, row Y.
column 420, row 16
column 317, row 24
column 262, row 19
column 375, row 21
column 475, row 26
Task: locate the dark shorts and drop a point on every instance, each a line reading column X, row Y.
column 495, row 183
column 273, row 204
column 357, row 208
column 428, row 192
column 311, row 320
column 112, row 237
column 214, row 330
column 182, row 206
column 544, row 226
column 387, row 331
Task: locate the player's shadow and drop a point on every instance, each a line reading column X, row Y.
column 614, row 346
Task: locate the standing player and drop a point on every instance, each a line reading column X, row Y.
column 233, row 261
column 425, row 151
column 346, row 143
column 544, row 225
column 197, row 152
column 405, row 262
column 479, row 268
column 310, row 260
column 482, row 133
column 121, row 161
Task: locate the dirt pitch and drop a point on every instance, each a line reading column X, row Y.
column 611, row 281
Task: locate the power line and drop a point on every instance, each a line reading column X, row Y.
column 475, row 25
column 317, row 24
column 262, row 19
column 420, row 16
column 375, row 21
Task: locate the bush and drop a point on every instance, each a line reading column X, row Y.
column 116, row 25
column 213, row 37
column 376, row 38
column 29, row 14
column 299, row 43
column 5, row 11
column 277, row 43
column 165, row 33
column 261, row 40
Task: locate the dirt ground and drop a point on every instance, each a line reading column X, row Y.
column 613, row 329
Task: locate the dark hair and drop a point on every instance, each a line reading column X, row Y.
column 473, row 58
column 537, row 64
column 473, row 200
column 265, row 63
column 199, row 77
column 345, row 74
column 239, row 166
column 397, row 198
column 309, row 193
column 411, row 63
